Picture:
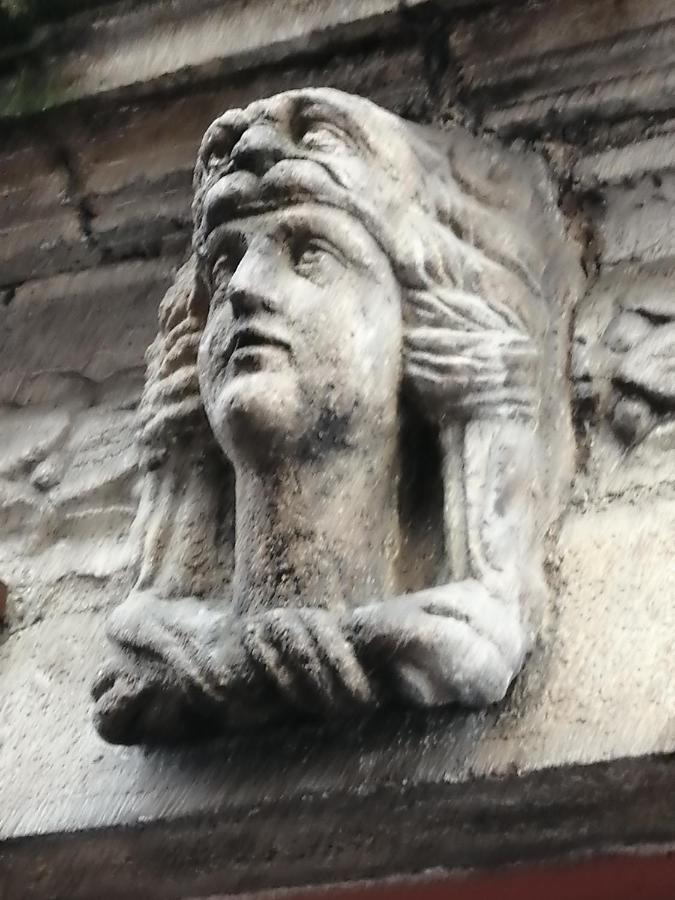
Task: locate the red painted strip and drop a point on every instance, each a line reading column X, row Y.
column 634, row 877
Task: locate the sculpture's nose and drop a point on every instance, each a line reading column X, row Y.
column 258, row 149
column 251, row 287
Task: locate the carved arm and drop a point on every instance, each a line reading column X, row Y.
column 466, row 640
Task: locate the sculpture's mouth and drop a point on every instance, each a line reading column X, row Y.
column 249, row 346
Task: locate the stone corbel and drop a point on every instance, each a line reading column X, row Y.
column 355, row 425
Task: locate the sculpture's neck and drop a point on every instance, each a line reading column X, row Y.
column 316, row 533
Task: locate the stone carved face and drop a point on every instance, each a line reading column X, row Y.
column 315, row 145
column 280, row 183
column 302, row 342
column 303, row 339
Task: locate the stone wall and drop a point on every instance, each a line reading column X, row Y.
column 100, row 129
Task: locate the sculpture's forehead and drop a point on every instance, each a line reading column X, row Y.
column 285, row 218
column 342, row 230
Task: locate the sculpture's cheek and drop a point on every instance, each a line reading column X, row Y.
column 211, row 355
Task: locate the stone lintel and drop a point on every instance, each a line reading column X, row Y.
column 401, row 828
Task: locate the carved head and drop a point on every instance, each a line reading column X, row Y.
column 301, row 349
column 342, row 254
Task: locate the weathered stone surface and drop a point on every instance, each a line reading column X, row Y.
column 31, row 183
column 36, row 214
column 72, row 351
column 59, row 240
column 548, row 66
column 580, row 759
column 629, row 162
column 163, row 41
column 637, row 221
column 66, row 490
column 88, row 327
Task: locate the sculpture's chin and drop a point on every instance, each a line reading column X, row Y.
column 258, row 412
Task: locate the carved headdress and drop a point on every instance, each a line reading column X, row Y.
column 467, row 227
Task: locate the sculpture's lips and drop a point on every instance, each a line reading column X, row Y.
column 251, row 339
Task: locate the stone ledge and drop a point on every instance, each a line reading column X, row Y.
column 181, row 40
column 399, row 829
column 564, row 67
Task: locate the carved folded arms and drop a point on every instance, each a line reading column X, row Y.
column 354, row 278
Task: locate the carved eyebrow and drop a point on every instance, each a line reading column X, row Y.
column 315, row 111
column 336, row 228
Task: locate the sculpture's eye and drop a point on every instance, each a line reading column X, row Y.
column 324, row 136
column 313, row 258
column 222, row 272
column 220, row 138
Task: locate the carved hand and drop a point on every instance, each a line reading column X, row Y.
column 451, row 644
column 203, row 670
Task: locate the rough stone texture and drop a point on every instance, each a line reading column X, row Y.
column 553, row 64
column 581, row 758
column 35, row 214
column 72, row 348
column 93, row 325
column 169, row 42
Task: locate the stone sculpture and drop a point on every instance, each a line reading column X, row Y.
column 355, row 427
column 634, row 367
